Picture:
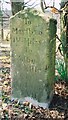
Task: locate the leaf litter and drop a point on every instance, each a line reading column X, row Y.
column 13, row 109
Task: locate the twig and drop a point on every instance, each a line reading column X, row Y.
column 43, row 6
column 58, row 37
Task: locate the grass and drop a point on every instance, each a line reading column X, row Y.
column 60, row 68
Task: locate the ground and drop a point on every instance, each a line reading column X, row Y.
column 13, row 109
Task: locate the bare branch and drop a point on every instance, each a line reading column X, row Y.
column 58, row 37
column 27, row 2
column 59, row 49
column 5, row 13
column 43, row 7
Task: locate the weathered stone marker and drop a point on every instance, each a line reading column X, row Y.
column 33, row 55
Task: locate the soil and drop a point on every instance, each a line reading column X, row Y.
column 13, row 109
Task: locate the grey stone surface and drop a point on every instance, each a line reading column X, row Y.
column 33, row 56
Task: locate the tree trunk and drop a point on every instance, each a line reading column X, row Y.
column 64, row 37
column 67, row 40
